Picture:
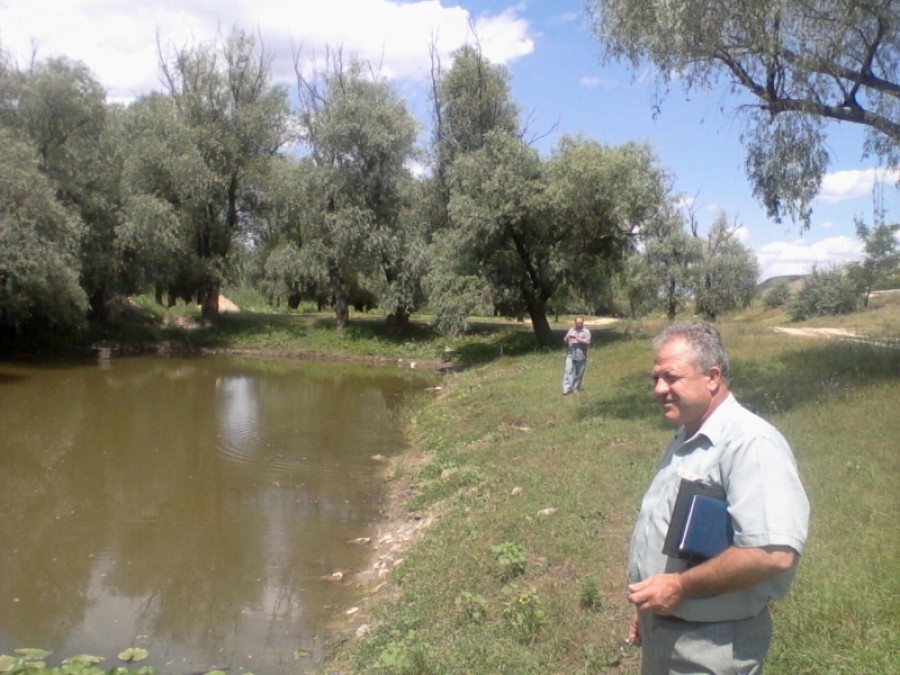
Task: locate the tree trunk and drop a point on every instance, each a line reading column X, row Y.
column 398, row 322
column 99, row 310
column 339, row 298
column 538, row 313
column 209, row 301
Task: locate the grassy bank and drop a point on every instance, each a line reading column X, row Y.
column 523, row 571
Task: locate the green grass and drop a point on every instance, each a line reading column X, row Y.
column 514, row 466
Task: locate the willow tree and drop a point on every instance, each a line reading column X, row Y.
column 166, row 190
column 39, row 243
column 729, row 273
column 803, row 63
column 359, row 137
column 237, row 119
column 60, row 108
column 470, row 100
column 533, row 229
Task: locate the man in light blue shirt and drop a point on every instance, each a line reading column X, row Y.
column 577, row 340
column 713, row 616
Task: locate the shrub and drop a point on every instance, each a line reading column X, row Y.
column 779, row 294
column 824, row 293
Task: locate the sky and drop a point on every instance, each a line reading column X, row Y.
column 556, row 73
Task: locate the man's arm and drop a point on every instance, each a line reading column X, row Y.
column 731, row 570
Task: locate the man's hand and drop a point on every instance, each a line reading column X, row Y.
column 732, row 569
column 659, row 594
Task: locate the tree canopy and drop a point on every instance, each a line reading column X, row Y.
column 803, row 62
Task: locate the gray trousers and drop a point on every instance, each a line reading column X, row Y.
column 676, row 647
column 573, row 375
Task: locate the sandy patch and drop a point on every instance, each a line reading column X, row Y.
column 602, row 321
column 226, row 305
column 817, row 332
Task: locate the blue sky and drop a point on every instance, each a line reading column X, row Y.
column 556, row 77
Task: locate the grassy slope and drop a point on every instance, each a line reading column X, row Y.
column 504, row 446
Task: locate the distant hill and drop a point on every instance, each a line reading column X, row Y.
column 771, row 281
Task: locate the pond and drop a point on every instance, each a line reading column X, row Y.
column 201, row 509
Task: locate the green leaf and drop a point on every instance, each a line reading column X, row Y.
column 31, row 653
column 7, row 663
column 82, row 660
column 134, row 654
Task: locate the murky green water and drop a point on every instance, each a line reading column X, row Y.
column 192, row 507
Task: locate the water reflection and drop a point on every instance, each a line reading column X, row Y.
column 191, row 507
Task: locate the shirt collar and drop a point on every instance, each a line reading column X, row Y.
column 713, row 427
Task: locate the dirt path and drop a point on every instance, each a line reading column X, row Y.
column 819, row 332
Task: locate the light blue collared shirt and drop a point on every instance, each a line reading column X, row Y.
column 753, row 463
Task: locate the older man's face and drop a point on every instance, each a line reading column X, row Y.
column 684, row 393
column 579, row 323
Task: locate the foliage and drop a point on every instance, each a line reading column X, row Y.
column 779, row 294
column 880, row 267
column 535, row 230
column 359, row 135
column 824, row 293
column 511, row 558
column 802, row 63
column 39, row 240
column 59, row 109
column 590, row 598
column 233, row 119
column 472, row 606
column 165, row 183
column 403, row 656
column 524, row 614
column 664, row 272
column 727, row 278
column 32, row 661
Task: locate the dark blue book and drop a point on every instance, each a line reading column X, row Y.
column 707, row 528
column 700, row 527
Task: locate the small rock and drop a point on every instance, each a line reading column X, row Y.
column 516, row 491
column 547, row 512
column 362, row 631
column 352, row 611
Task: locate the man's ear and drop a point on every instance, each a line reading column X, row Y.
column 715, row 379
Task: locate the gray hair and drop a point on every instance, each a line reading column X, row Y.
column 705, row 343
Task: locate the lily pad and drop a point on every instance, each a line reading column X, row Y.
column 133, row 654
column 82, row 660
column 7, row 663
column 31, row 653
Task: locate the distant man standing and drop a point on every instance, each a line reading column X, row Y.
column 712, row 615
column 577, row 340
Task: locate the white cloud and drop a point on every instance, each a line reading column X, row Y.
column 504, row 38
column 798, row 257
column 117, row 40
column 839, row 186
